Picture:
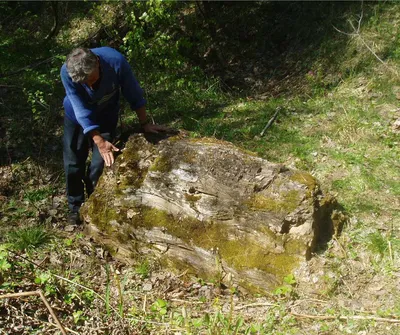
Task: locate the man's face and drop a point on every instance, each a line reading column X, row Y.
column 94, row 76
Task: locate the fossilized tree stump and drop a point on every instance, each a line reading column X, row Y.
column 209, row 207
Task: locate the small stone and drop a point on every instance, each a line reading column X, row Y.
column 114, row 223
column 131, row 213
column 206, row 292
column 179, row 294
column 396, row 126
column 53, row 212
column 147, row 287
column 376, row 288
column 54, row 259
column 70, row 228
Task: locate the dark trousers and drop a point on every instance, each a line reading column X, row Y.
column 76, row 151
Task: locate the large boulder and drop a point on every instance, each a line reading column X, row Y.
column 210, row 208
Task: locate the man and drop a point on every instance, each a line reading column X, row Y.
column 92, row 80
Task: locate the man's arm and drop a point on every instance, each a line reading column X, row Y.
column 133, row 93
column 146, row 124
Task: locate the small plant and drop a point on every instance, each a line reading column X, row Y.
column 78, row 317
column 143, row 269
column 68, row 242
column 4, row 264
column 28, row 238
column 286, row 290
column 377, row 243
column 69, row 298
column 44, row 279
column 88, row 296
column 38, row 194
column 160, row 307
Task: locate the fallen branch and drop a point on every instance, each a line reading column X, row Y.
column 256, row 304
column 41, row 295
column 187, row 301
column 271, row 121
column 299, row 302
column 344, row 318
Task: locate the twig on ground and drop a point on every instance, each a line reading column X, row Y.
column 340, row 245
column 144, row 304
column 187, row 301
column 299, row 302
column 270, row 122
column 41, row 295
column 43, row 260
column 52, row 312
column 390, row 252
column 256, row 304
column 344, row 318
column 182, row 274
column 348, row 288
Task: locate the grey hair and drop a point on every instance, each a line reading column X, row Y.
column 80, row 64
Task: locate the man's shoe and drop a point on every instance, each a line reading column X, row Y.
column 74, row 218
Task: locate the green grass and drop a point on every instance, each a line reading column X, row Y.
column 143, row 269
column 28, row 238
column 38, row 194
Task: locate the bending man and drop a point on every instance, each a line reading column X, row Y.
column 93, row 79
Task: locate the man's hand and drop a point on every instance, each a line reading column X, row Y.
column 106, row 150
column 154, row 128
column 147, row 126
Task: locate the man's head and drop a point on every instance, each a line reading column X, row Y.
column 83, row 66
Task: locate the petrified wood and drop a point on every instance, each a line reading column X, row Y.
column 208, row 207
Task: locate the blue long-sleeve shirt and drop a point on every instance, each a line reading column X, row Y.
column 93, row 108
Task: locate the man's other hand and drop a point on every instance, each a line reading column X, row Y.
column 154, row 128
column 106, row 150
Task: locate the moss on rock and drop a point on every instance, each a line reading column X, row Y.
column 306, row 179
column 286, row 203
column 161, row 164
